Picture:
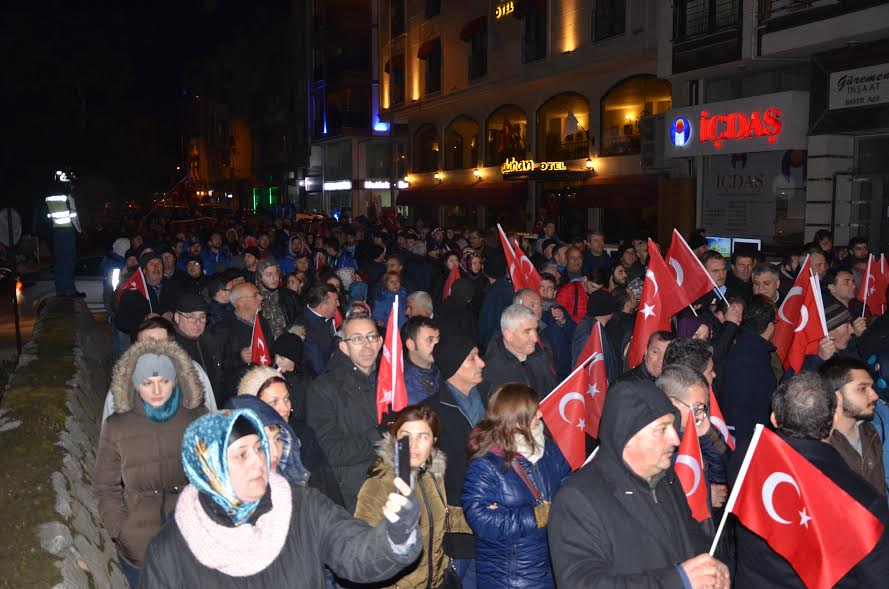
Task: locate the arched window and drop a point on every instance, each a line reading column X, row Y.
column 506, row 135
column 461, row 144
column 622, row 108
column 426, row 149
column 563, row 128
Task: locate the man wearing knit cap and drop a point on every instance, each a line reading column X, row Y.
column 133, row 308
column 624, row 520
column 837, row 344
column 460, row 404
column 190, row 320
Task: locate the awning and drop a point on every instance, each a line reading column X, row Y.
column 428, row 47
column 489, row 194
column 618, row 192
column 476, row 25
column 396, row 61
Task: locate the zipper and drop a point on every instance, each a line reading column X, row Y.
column 431, row 521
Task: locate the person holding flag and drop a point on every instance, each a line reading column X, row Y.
column 623, row 520
column 341, row 406
column 143, row 295
column 806, row 519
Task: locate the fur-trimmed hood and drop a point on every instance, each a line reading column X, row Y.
column 122, row 375
column 298, row 330
column 385, row 449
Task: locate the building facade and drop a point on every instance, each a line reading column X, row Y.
column 781, row 115
column 521, row 111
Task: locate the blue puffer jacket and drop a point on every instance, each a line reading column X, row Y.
column 511, row 552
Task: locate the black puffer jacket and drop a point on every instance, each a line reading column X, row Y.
column 341, row 409
column 502, row 366
column 609, row 527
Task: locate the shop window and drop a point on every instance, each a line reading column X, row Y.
column 506, row 135
column 430, row 52
column 461, row 144
column 563, row 128
column 534, row 34
column 433, row 8
column 395, row 69
column 609, row 19
column 396, row 17
column 426, row 149
column 624, row 106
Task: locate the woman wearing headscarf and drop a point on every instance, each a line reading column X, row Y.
column 471, row 266
column 508, row 489
column 238, row 525
column 280, row 306
column 418, row 425
column 138, row 472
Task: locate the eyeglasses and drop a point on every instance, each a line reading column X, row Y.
column 360, row 339
column 699, row 409
column 193, row 318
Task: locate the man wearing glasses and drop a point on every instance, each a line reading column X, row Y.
column 341, row 406
column 190, row 320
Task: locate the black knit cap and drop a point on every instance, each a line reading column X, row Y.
column 600, row 303
column 449, row 354
column 190, row 303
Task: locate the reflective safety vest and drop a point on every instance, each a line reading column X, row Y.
column 59, row 210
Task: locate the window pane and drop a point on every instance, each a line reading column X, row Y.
column 506, row 134
column 563, row 128
column 426, row 149
column 623, row 107
column 461, row 144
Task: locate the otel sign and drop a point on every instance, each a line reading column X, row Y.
column 717, row 128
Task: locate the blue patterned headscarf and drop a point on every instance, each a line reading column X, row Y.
column 205, row 459
column 290, row 465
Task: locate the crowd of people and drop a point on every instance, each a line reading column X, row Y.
column 214, row 471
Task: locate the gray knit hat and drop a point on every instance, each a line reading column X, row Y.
column 149, row 365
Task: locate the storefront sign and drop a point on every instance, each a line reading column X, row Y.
column 384, row 185
column 504, row 9
column 761, row 123
column 864, row 86
column 513, row 166
column 338, row 185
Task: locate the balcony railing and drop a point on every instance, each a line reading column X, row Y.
column 797, row 12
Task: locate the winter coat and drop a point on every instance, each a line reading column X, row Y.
column 382, row 306
column 430, row 494
column 138, row 470
column 574, row 298
column 454, row 316
column 234, row 334
column 132, row 307
column 341, row 409
column 498, row 296
column 869, row 464
column 559, row 337
column 294, row 531
column 511, row 551
column 745, row 386
column 215, row 263
column 319, row 340
column 502, row 366
column 881, row 424
column 421, row 383
column 206, row 351
column 619, row 332
column 216, row 312
column 759, row 566
column 454, row 431
column 613, row 362
column 610, row 528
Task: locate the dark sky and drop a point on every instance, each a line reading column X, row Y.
column 97, row 85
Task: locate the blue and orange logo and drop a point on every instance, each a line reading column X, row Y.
column 680, row 132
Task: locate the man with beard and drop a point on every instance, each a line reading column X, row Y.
column 854, row 435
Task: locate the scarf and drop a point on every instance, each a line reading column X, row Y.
column 524, row 448
column 205, row 459
column 166, row 411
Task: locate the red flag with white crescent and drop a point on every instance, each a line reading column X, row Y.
column 564, row 413
column 658, row 298
column 692, row 278
column 804, row 516
column 718, row 421
column 789, row 314
column 597, row 382
column 689, row 468
column 873, row 287
column 529, row 272
column 136, row 282
column 391, row 390
column 260, row 353
column 515, row 274
column 812, row 326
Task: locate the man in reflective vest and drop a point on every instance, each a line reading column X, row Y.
column 65, row 227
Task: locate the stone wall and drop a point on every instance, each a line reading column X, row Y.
column 50, row 531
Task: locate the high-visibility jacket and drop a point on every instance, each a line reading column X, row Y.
column 62, row 211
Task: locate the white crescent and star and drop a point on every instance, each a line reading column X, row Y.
column 695, row 469
column 650, row 275
column 572, row 396
column 680, row 273
column 720, row 425
column 795, row 291
column 768, row 492
column 803, row 319
column 647, row 310
column 260, row 343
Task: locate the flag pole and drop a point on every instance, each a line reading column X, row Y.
column 757, row 432
column 392, row 349
column 573, row 372
column 819, row 301
column 505, row 239
column 147, row 294
column 870, row 258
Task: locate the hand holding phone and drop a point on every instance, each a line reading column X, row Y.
column 402, row 459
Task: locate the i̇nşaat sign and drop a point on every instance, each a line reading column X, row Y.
column 769, row 122
column 865, row 86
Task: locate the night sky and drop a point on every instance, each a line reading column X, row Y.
column 99, row 86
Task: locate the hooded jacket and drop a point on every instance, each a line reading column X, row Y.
column 138, row 470
column 430, row 492
column 610, row 528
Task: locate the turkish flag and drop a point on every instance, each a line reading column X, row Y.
column 530, row 275
column 692, row 278
column 802, row 514
column 810, row 330
column 515, row 273
column 597, row 381
column 789, row 313
column 689, row 468
column 873, row 288
column 659, row 302
column 718, row 421
column 136, row 281
column 453, row 276
column 391, row 391
column 564, row 413
column 260, row 353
